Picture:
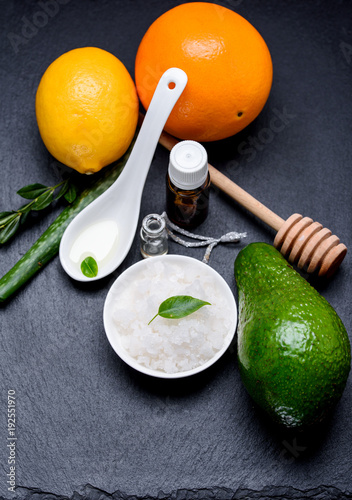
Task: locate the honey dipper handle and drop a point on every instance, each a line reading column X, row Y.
column 245, row 199
column 233, row 190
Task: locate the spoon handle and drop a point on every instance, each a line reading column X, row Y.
column 167, row 92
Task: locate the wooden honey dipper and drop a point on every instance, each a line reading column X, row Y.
column 302, row 241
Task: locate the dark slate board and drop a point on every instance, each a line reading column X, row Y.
column 88, row 427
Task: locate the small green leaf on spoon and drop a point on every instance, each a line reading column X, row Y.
column 89, row 267
column 179, row 306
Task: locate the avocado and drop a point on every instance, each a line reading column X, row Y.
column 294, row 353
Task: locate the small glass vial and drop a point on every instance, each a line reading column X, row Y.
column 153, row 236
column 187, row 184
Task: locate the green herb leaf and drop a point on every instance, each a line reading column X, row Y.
column 179, row 306
column 24, row 216
column 41, row 197
column 9, row 230
column 32, row 191
column 6, row 217
column 63, row 190
column 25, row 208
column 89, row 267
column 43, row 201
column 71, row 193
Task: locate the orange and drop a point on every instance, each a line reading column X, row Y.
column 227, row 62
column 87, row 109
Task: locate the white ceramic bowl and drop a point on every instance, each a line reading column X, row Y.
column 132, row 273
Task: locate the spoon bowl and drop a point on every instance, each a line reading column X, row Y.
column 105, row 229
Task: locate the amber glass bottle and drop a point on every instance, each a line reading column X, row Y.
column 187, row 184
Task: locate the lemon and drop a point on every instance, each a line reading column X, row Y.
column 87, row 109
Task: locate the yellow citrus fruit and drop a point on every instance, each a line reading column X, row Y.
column 228, row 65
column 87, row 109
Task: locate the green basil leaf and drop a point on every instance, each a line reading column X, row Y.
column 32, row 191
column 71, row 193
column 5, row 217
column 89, row 267
column 179, row 306
column 43, row 201
column 9, row 230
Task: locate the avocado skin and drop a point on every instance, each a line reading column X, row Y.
column 293, row 350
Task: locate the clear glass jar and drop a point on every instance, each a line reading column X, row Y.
column 153, row 236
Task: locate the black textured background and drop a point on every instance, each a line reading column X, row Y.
column 88, row 427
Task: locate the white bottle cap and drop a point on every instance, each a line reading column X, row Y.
column 188, row 165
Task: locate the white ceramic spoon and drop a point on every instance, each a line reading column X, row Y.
column 105, row 229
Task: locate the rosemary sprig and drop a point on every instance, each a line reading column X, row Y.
column 41, row 197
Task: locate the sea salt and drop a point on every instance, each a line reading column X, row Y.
column 171, row 345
